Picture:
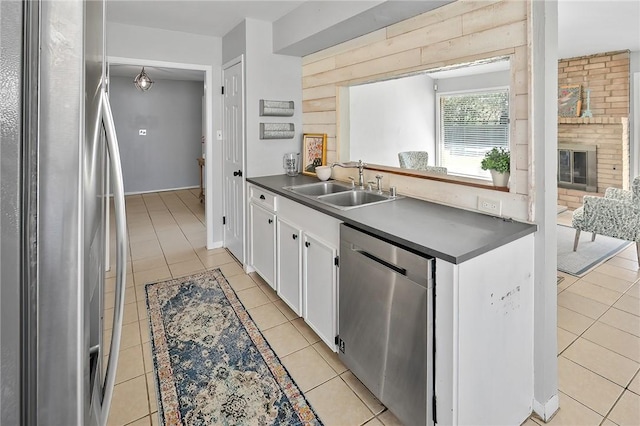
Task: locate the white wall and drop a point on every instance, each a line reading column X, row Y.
column 634, row 114
column 474, row 82
column 171, row 114
column 273, row 77
column 543, row 130
column 392, row 113
column 131, row 41
column 141, row 44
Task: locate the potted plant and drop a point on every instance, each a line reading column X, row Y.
column 498, row 162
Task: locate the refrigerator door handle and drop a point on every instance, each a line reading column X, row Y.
column 121, row 252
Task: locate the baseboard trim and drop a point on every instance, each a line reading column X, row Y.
column 161, row 190
column 215, row 245
column 547, row 410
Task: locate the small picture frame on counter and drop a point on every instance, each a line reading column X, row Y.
column 314, row 152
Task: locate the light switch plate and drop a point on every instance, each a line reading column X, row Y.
column 489, row 205
column 142, row 132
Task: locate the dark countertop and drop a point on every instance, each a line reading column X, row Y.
column 445, row 232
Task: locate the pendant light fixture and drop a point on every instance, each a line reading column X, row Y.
column 143, row 81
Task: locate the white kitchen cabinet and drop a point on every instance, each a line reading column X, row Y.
column 289, row 261
column 287, row 253
column 263, row 243
column 319, row 278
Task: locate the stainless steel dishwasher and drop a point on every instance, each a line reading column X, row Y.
column 386, row 323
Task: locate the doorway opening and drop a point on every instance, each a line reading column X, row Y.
column 167, row 131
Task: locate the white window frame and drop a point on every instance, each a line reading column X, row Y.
column 439, row 144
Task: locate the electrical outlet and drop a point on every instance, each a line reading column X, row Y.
column 142, row 132
column 490, row 206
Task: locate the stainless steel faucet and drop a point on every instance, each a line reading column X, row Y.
column 352, row 164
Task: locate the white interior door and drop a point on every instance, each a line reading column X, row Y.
column 233, row 154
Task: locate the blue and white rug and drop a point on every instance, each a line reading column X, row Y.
column 213, row 366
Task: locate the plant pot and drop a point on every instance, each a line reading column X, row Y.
column 499, row 179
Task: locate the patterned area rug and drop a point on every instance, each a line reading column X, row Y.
column 212, row 365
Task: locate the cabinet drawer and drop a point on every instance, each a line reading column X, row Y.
column 262, row 198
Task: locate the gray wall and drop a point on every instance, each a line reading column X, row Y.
column 171, row 113
column 234, row 43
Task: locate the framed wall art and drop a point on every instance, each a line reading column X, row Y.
column 314, row 152
column 569, row 100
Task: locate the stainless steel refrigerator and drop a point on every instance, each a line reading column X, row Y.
column 58, row 153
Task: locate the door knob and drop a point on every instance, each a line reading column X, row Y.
column 307, row 243
column 295, row 236
column 270, row 220
column 238, row 173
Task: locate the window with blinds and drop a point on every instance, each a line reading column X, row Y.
column 471, row 124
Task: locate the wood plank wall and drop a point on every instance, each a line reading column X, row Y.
column 459, row 32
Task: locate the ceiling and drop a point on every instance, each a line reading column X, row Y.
column 205, row 17
column 584, row 26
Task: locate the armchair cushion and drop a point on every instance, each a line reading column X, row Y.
column 619, row 194
column 417, row 160
column 608, row 216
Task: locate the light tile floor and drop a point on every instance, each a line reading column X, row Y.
column 598, row 327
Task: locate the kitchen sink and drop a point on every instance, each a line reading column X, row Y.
column 319, row 188
column 354, row 198
column 339, row 195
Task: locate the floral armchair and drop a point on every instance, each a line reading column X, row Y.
column 413, row 159
column 418, row 160
column 616, row 215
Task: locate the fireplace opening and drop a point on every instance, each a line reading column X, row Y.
column 577, row 168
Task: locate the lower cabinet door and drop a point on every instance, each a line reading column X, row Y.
column 263, row 243
column 319, row 288
column 289, row 262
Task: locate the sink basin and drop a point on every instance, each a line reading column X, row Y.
column 353, row 199
column 340, row 195
column 318, row 189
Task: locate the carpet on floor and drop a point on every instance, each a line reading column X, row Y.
column 212, row 365
column 589, row 254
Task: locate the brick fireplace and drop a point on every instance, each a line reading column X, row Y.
column 607, row 76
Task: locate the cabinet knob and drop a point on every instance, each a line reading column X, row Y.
column 262, row 197
column 295, row 236
column 307, row 243
column 270, row 220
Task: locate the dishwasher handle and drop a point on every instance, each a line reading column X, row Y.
column 397, row 269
